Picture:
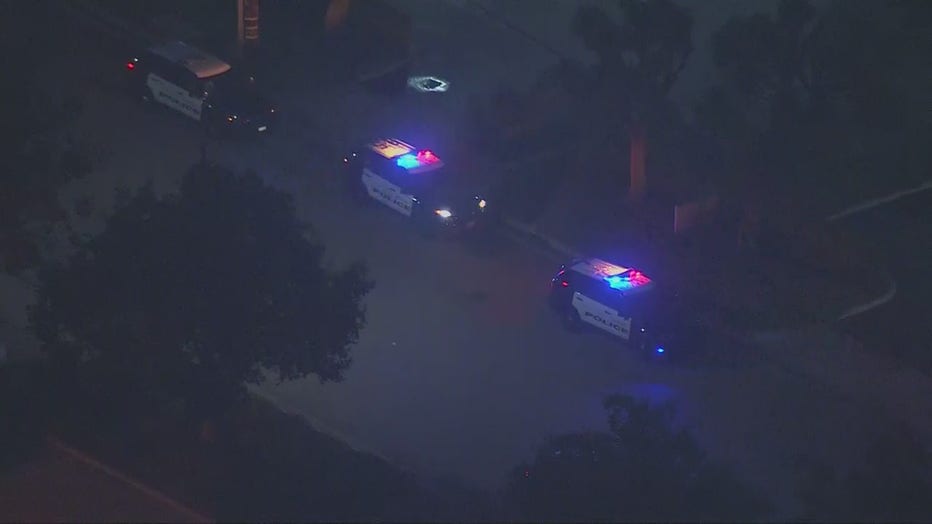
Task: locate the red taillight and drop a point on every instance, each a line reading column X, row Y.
column 565, row 284
column 130, row 65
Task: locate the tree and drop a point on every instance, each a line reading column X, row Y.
column 764, row 56
column 639, row 60
column 37, row 156
column 24, row 411
column 643, row 469
column 199, row 292
column 824, row 100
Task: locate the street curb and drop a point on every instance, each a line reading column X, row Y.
column 126, row 479
column 891, row 290
column 322, row 428
column 879, row 201
column 529, row 232
column 882, row 299
column 425, row 481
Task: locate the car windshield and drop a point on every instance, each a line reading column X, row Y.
column 446, row 186
column 236, row 88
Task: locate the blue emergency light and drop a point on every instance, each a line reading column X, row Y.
column 631, row 278
column 410, row 161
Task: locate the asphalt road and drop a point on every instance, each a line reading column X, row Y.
column 462, row 370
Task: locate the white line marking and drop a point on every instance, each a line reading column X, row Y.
column 879, row 201
column 877, row 302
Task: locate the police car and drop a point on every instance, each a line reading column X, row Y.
column 199, row 86
column 416, row 184
column 612, row 298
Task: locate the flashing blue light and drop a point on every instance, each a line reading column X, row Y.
column 619, row 282
column 407, row 161
column 629, row 279
column 659, row 349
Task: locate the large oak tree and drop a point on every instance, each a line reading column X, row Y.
column 200, row 292
column 641, row 50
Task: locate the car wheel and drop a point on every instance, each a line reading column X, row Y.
column 426, row 226
column 420, row 221
column 557, row 301
column 144, row 97
column 357, row 192
column 571, row 320
column 211, row 128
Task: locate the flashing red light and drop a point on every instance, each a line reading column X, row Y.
column 130, row 65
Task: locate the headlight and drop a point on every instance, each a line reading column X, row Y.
column 443, row 213
column 482, row 204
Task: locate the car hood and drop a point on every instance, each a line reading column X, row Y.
column 455, row 190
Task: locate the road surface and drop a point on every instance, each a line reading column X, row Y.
column 461, row 370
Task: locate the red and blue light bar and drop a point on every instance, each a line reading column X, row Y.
column 629, row 279
column 421, row 159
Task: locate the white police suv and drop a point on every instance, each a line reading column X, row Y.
column 199, row 86
column 612, row 298
column 417, row 184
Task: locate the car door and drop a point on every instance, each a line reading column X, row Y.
column 600, row 308
column 175, row 87
column 382, row 184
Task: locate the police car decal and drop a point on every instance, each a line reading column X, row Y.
column 387, row 193
column 174, row 96
column 601, row 316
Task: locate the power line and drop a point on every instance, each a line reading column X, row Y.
column 512, row 27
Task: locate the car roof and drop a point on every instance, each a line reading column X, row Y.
column 390, row 148
column 201, row 63
column 626, row 280
column 407, row 156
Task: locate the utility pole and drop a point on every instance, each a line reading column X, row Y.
column 247, row 25
column 337, row 11
column 240, row 32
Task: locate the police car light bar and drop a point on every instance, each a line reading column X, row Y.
column 391, row 148
column 618, row 277
column 598, row 268
column 629, row 279
column 412, row 161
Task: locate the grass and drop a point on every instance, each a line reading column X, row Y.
column 259, row 464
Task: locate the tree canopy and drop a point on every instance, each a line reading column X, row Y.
column 643, row 469
column 822, row 102
column 201, row 291
column 37, row 156
column 641, row 50
column 645, row 45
